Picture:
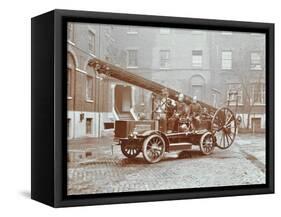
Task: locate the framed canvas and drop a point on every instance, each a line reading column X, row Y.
column 134, row 108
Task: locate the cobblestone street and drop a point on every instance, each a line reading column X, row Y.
column 101, row 167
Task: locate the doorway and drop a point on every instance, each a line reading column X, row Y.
column 89, row 126
column 123, row 98
column 256, row 124
column 198, row 87
column 197, row 90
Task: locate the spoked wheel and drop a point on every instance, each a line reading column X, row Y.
column 207, row 143
column 130, row 150
column 224, row 127
column 153, row 148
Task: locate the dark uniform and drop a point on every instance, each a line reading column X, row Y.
column 195, row 112
column 180, row 111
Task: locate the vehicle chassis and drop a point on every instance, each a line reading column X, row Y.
column 154, row 143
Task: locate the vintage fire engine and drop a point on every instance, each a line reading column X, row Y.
column 217, row 127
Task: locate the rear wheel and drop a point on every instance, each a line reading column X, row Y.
column 153, row 148
column 224, row 127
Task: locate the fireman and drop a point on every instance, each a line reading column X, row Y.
column 180, row 111
column 195, row 113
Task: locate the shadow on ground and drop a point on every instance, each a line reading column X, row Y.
column 176, row 156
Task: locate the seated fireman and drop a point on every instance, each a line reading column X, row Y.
column 195, row 113
column 180, row 111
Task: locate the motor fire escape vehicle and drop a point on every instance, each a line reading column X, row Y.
column 218, row 127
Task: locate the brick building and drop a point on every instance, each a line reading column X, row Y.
column 88, row 104
column 238, row 75
column 208, row 64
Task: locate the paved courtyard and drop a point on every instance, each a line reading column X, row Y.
column 99, row 167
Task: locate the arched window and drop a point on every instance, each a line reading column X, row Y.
column 70, row 74
column 198, row 87
column 90, row 84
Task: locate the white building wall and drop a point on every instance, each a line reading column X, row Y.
column 77, row 127
column 245, row 120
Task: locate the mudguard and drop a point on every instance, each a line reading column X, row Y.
column 151, row 132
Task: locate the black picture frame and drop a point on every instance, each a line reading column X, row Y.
column 48, row 148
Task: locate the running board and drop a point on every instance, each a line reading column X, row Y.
column 180, row 146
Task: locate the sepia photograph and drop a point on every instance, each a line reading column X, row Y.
column 157, row 108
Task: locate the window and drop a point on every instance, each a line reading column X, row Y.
column 92, row 38
column 70, row 32
column 258, row 93
column 68, row 127
column 234, row 94
column 132, row 30
column 164, row 31
column 256, row 61
column 214, row 96
column 197, row 58
column 89, row 88
column 89, row 125
column 69, row 82
column 164, row 58
column 226, row 62
column 132, row 60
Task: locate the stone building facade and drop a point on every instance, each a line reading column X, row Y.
column 208, row 64
column 238, row 73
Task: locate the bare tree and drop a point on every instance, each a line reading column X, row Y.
column 248, row 82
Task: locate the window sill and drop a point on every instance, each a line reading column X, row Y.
column 239, row 104
column 260, row 69
column 82, row 71
column 69, row 97
column 70, row 42
column 93, row 55
column 89, row 100
column 226, row 33
column 132, row 33
column 132, row 67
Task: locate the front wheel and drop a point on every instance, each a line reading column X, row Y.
column 153, row 148
column 207, row 143
column 130, row 150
